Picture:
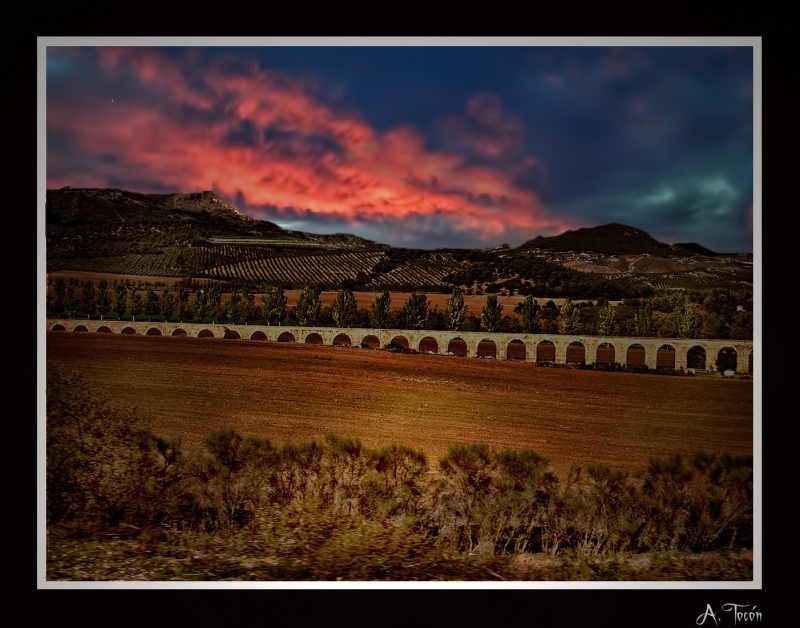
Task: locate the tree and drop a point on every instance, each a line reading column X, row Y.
column 135, row 305
column 247, row 304
column 233, row 307
column 182, row 302
column 151, row 305
column 58, row 302
column 344, row 308
column 70, row 302
column 214, row 301
column 531, row 315
column 607, row 323
column 643, row 320
column 102, row 298
column 416, row 310
column 568, row 318
column 379, row 311
column 120, row 299
column 308, row 306
column 456, row 312
column 200, row 306
column 273, row 305
column 491, row 314
column 167, row 304
column 685, row 320
column 87, row 299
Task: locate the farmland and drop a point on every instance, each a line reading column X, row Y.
column 189, row 387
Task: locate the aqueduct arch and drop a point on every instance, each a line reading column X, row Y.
column 457, row 346
column 635, row 354
column 696, row 358
column 129, row 331
column 205, row 333
column 58, row 327
column 370, row 342
column 487, row 348
column 81, row 328
column 576, row 352
column 313, row 339
column 606, row 353
column 516, row 350
column 180, row 333
column 104, row 330
column 399, row 343
column 153, row 331
column 546, row 351
column 428, row 345
column 726, row 359
column 232, row 334
column 341, row 340
column 286, row 336
column 258, row 335
column 665, row 356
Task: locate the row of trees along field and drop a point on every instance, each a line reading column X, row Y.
column 699, row 314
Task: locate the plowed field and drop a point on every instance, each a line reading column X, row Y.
column 191, row 386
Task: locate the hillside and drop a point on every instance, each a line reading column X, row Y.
column 198, row 235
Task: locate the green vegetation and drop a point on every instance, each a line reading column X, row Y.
column 491, row 314
column 308, row 306
column 345, row 510
column 344, row 309
column 379, row 312
column 273, row 305
column 568, row 318
column 416, row 311
column 456, row 312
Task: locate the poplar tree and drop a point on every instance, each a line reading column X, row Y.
column 491, row 314
column 135, row 305
column 607, row 323
column 70, row 302
column 685, row 320
column 247, row 304
column 151, row 304
column 379, row 311
column 200, row 306
column 58, row 302
column 102, row 298
column 308, row 306
column 88, row 299
column 233, row 307
column 273, row 305
column 643, row 320
column 531, row 315
column 416, row 310
column 568, row 318
column 344, row 308
column 166, row 304
column 456, row 312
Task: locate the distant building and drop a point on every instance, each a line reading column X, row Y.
column 739, row 308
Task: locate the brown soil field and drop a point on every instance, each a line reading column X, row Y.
column 188, row 387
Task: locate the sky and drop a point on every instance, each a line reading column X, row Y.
column 420, row 146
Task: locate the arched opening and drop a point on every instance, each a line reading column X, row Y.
column 399, row 343
column 59, row 327
column 313, row 339
column 154, row 331
column 516, row 350
column 342, row 340
column 371, row 342
column 696, row 358
column 457, row 346
column 726, row 359
column 546, row 351
column 635, row 355
column 258, row 335
column 129, row 331
column 750, row 363
column 487, row 349
column 285, row 337
column 230, row 334
column 665, row 357
column 104, row 330
column 576, row 352
column 80, row 328
column 205, row 333
column 606, row 354
column 428, row 345
column 180, row 333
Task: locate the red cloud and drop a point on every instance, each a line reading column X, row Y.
column 299, row 152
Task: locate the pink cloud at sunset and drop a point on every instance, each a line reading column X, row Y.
column 271, row 140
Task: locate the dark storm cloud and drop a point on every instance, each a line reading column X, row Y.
column 438, row 146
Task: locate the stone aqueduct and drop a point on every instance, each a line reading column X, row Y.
column 652, row 352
